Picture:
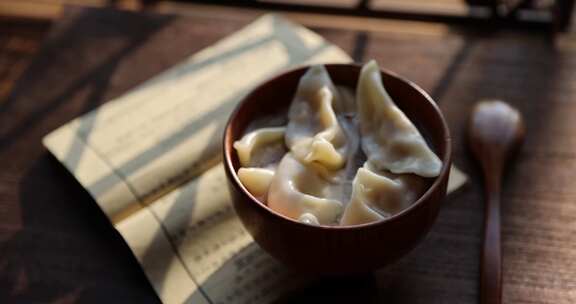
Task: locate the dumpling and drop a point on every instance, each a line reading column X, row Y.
column 256, row 180
column 389, row 140
column 260, row 147
column 344, row 158
column 313, row 133
column 299, row 192
column 379, row 195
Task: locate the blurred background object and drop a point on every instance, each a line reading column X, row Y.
column 507, row 12
column 24, row 22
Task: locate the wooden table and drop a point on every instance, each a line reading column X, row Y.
column 57, row 247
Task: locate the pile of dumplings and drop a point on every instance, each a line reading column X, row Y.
column 342, row 158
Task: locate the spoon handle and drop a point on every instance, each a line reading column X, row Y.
column 491, row 263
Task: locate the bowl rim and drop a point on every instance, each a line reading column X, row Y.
column 446, row 160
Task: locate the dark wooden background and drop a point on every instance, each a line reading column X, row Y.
column 57, row 247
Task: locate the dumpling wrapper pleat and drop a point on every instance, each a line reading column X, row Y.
column 297, row 189
column 313, row 133
column 258, row 139
column 379, row 195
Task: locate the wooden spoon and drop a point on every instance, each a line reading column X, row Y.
column 496, row 130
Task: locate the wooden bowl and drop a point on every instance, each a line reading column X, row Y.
column 338, row 249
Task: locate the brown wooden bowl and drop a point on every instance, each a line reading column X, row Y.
column 338, row 249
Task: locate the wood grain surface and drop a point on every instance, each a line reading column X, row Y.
column 57, row 247
column 19, row 43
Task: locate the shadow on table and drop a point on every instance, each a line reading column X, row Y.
column 351, row 289
column 58, row 255
column 55, row 254
column 66, row 44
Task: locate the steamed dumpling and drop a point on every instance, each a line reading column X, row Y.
column 379, row 195
column 313, row 133
column 299, row 192
column 389, row 140
column 360, row 210
column 260, row 147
